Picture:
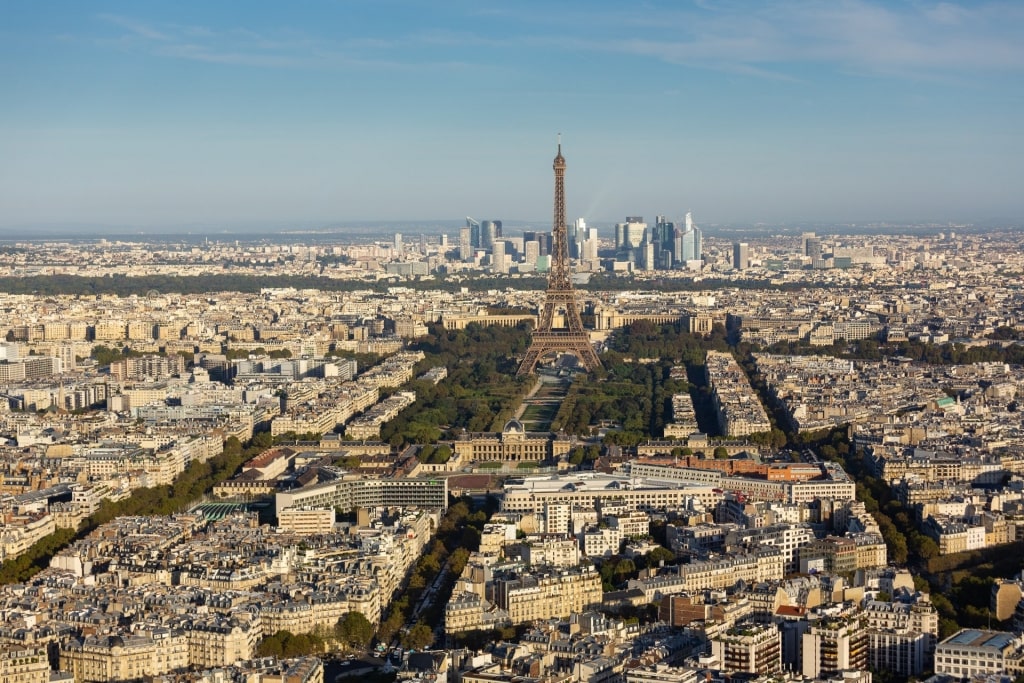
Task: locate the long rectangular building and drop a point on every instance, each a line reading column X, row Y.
column 833, row 482
column 529, row 495
column 349, row 492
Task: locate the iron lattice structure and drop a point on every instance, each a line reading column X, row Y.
column 560, row 295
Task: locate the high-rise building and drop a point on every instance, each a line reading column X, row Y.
column 803, row 242
column 696, row 240
column 647, row 249
column 740, row 255
column 488, row 233
column 589, row 246
column 663, row 233
column 691, row 243
column 531, row 250
column 474, row 232
column 577, row 233
column 543, row 239
column 398, row 244
column 631, row 234
column 814, row 248
column 465, row 244
column 499, row 263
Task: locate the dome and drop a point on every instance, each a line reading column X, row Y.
column 513, row 426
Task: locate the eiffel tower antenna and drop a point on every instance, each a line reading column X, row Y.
column 560, row 295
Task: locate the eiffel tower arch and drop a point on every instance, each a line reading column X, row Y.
column 560, row 296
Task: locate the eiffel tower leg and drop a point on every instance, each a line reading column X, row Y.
column 589, row 357
column 530, row 362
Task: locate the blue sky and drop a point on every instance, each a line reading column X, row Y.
column 199, row 112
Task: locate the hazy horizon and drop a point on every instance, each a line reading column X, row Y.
column 359, row 231
column 119, row 115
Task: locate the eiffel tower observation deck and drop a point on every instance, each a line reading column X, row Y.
column 560, row 296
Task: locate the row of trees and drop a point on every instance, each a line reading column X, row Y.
column 122, row 285
column 622, row 396
column 457, row 535
column 480, row 392
column 434, row 455
column 952, row 353
column 284, row 644
column 36, row 558
column 645, row 339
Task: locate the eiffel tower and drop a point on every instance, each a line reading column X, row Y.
column 560, row 296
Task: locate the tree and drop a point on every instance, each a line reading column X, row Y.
column 354, row 629
column 270, row 647
column 457, row 561
column 419, row 637
column 721, row 453
column 927, row 548
column 658, row 555
column 104, row 355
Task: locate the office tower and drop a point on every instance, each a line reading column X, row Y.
column 631, row 234
column 579, row 229
column 740, row 255
column 560, row 295
column 474, row 232
column 497, row 230
column 444, row 242
column 545, row 243
column 532, row 251
column 803, row 242
column 530, row 236
column 648, row 250
column 813, row 248
column 588, row 245
column 663, row 233
column 398, row 244
column 498, row 261
column 465, row 244
column 543, row 239
column 575, row 239
column 488, row 233
column 692, row 242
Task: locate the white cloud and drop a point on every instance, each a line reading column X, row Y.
column 849, row 34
